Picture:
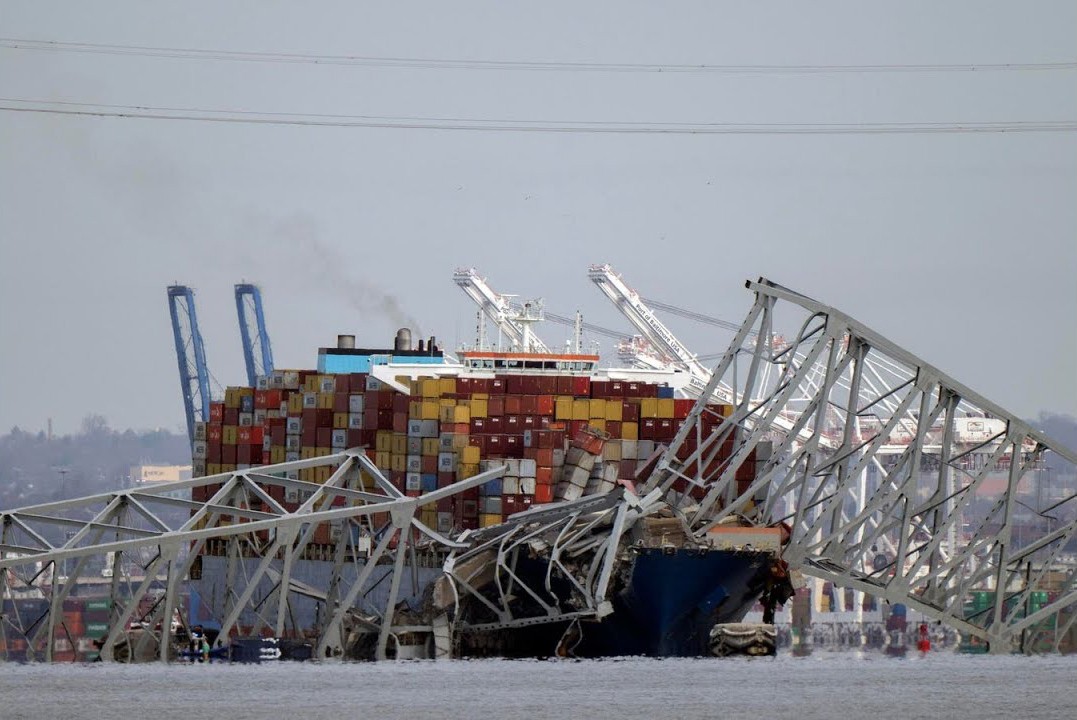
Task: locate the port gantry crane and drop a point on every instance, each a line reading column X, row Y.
column 257, row 352
column 514, row 322
column 191, row 356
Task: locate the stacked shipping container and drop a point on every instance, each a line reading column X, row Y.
column 559, row 436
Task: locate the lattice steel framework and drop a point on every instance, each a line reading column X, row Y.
column 898, row 455
column 154, row 540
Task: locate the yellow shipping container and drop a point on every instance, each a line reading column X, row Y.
column 447, row 386
column 446, row 402
column 581, row 410
column 470, row 455
column 383, row 441
column 727, row 411
column 612, row 450
column 429, row 410
column 213, row 468
column 340, row 421
column 446, row 413
column 488, row 520
column 480, row 396
column 648, row 408
column 415, row 409
column 429, row 516
column 665, row 407
column 431, row 388
column 399, row 463
column 461, row 441
column 231, row 397
column 479, row 407
column 276, row 454
column 229, row 434
column 563, row 408
column 322, row 452
column 306, row 452
column 430, row 446
column 597, row 424
column 295, row 403
column 597, row 409
column 614, row 410
column 461, row 414
column 630, row 431
column 415, row 387
column 400, row 444
column 466, row 470
column 325, row 401
column 383, row 459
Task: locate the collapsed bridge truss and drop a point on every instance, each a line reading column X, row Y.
column 899, row 456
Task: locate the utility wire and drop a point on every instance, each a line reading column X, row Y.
column 547, row 66
column 505, row 125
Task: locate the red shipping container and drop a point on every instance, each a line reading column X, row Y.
column 497, row 385
column 681, row 408
column 512, row 405
column 478, row 441
column 277, row 434
column 228, row 454
column 616, row 388
column 544, row 456
column 513, row 424
column 370, row 418
column 600, row 389
column 457, row 428
column 543, row 494
column 216, row 412
column 529, row 405
column 355, row 438
column 429, row 464
column 495, row 406
column 343, row 383
column 445, row 479
column 544, row 405
column 514, row 446
column 214, row 434
column 385, row 420
column 495, row 425
column 400, row 403
column 480, row 385
column 368, row 437
column 613, row 428
column 384, row 400
column 324, row 437
column 581, row 386
column 495, row 445
column 213, row 452
column 547, row 385
column 248, row 454
column 231, row 416
column 666, row 429
column 543, row 475
column 478, row 425
column 463, row 385
column 574, row 427
column 400, row 422
column 629, row 412
column 563, row 385
column 250, row 435
column 340, row 402
column 632, row 389
column 648, row 429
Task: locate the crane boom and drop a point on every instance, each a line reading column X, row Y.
column 191, row 356
column 257, row 352
column 513, row 322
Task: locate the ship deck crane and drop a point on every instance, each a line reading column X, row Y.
column 191, row 356
column 257, row 352
column 513, row 322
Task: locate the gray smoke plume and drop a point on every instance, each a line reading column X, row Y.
column 330, row 273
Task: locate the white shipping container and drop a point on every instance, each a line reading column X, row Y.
column 629, row 449
column 291, row 495
column 512, row 466
column 415, row 446
column 491, row 505
column 558, row 457
column 246, row 419
column 199, row 448
column 340, row 438
column 429, row 429
column 355, row 403
column 291, row 456
column 355, row 421
column 198, row 468
column 415, row 428
column 328, row 385
column 527, row 486
column 413, row 481
column 261, row 382
column 293, row 426
column 566, row 491
column 580, row 458
column 293, row 442
column 645, row 448
column 510, row 485
column 259, row 416
column 291, row 379
column 200, row 430
column 372, row 383
column 444, row 522
column 415, row 463
column 527, row 468
column 267, row 442
column 310, row 400
column 445, row 442
column 446, row 462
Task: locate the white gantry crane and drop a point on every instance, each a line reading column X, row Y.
column 513, row 322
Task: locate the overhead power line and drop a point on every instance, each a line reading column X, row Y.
column 531, row 65
column 506, row 125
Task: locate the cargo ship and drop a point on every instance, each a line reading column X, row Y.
column 564, row 429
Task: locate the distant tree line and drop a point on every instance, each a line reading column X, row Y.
column 35, row 469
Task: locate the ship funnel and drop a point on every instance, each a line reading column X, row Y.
column 422, row 345
column 432, row 346
column 345, row 342
column 403, row 339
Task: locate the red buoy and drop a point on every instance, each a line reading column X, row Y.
column 923, row 643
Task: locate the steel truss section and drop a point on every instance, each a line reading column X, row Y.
column 149, row 541
column 894, row 478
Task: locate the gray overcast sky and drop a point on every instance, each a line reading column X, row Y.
column 962, row 247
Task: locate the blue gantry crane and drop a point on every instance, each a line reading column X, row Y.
column 257, row 353
column 191, row 355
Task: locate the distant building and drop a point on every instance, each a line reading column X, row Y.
column 142, row 475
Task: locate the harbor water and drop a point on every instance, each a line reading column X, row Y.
column 825, row 685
